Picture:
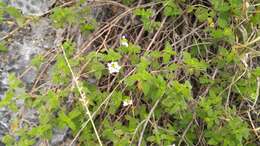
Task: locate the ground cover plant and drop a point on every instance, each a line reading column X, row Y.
column 145, row 72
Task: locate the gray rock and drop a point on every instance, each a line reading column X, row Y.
column 58, row 136
column 26, row 44
column 37, row 40
column 30, row 115
column 4, row 122
column 33, row 7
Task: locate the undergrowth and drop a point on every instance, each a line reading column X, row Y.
column 162, row 72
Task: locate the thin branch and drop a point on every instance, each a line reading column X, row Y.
column 101, row 105
column 83, row 98
column 147, row 120
column 257, row 91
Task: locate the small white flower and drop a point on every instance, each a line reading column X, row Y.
column 124, row 41
column 124, row 44
column 127, row 102
column 113, row 67
column 247, row 5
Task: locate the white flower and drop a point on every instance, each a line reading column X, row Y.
column 124, row 41
column 124, row 44
column 113, row 67
column 127, row 102
column 247, row 5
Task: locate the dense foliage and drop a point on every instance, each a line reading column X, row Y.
column 161, row 72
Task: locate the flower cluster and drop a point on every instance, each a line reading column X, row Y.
column 113, row 67
column 127, row 102
column 124, row 41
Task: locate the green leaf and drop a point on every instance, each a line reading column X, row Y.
column 87, row 27
column 168, row 52
column 225, row 34
column 69, row 48
column 220, row 6
column 40, row 131
column 116, row 101
column 143, row 64
column 131, row 49
column 236, row 6
column 60, row 72
column 64, row 118
column 223, row 20
column 145, row 15
column 97, row 68
column 171, row 8
column 3, row 47
column 16, row 14
column 75, row 113
column 255, row 19
column 151, row 138
column 9, row 95
column 194, row 62
column 146, row 86
column 202, row 14
column 8, row 140
column 13, row 81
column 112, row 56
column 64, row 16
column 53, row 100
column 177, row 97
column 37, row 61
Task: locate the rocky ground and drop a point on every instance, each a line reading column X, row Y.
column 36, row 38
